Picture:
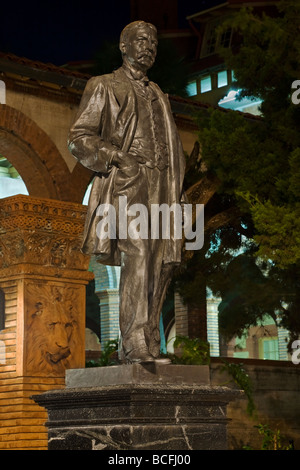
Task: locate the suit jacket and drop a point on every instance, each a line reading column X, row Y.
column 106, row 121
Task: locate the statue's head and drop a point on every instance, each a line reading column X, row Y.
column 138, row 44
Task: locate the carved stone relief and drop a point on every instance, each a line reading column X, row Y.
column 54, row 328
column 43, row 232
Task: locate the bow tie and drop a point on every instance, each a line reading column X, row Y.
column 138, row 75
column 144, row 81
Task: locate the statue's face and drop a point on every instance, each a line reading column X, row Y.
column 141, row 48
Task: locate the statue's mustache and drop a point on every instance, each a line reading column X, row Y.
column 146, row 54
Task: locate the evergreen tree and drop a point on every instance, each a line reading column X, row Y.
column 252, row 253
column 262, row 161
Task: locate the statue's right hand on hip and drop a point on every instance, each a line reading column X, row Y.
column 128, row 164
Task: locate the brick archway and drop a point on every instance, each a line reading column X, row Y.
column 37, row 159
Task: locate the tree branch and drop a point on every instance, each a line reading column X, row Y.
column 221, row 219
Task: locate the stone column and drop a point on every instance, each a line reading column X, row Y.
column 181, row 316
column 109, row 308
column 43, row 276
column 213, row 325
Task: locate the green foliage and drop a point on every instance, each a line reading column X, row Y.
column 242, row 379
column 170, row 71
column 278, row 231
column 107, row 357
column 256, row 168
column 193, row 351
column 272, row 440
column 242, row 153
column 247, row 296
column 268, row 58
column 257, row 161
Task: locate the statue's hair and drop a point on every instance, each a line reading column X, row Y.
column 132, row 26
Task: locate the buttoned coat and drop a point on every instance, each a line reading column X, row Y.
column 106, row 121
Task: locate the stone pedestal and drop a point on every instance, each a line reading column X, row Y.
column 138, row 407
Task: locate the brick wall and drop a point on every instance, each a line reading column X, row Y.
column 22, row 420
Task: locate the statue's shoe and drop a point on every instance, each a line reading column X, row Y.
column 141, row 358
column 162, row 360
column 148, row 358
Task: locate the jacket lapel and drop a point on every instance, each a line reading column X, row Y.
column 126, row 119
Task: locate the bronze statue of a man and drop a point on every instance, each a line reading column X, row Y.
column 124, row 131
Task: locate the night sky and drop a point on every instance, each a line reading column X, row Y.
column 63, row 31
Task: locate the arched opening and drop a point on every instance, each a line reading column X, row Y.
column 28, row 164
column 33, row 154
column 87, row 193
column 11, row 182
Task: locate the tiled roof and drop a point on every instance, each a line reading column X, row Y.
column 35, row 64
column 70, row 78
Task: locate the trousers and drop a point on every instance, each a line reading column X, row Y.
column 144, row 278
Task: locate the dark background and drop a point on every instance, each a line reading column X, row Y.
column 62, row 31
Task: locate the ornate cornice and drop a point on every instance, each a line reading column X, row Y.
column 50, row 215
column 41, row 232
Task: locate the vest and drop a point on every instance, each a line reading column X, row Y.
column 150, row 139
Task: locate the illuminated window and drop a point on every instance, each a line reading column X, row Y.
column 2, row 92
column 222, row 79
column 192, row 88
column 205, row 84
column 268, row 348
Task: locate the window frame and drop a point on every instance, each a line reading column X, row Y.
column 209, row 34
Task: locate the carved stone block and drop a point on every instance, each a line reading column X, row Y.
column 41, row 232
column 54, row 326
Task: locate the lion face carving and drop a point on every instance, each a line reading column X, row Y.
column 52, row 330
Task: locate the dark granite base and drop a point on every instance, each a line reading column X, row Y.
column 138, row 408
